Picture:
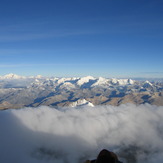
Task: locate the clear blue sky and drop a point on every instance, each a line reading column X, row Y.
column 110, row 38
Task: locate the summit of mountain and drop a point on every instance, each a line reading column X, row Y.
column 12, row 76
column 81, row 102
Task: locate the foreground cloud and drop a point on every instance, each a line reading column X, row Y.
column 39, row 135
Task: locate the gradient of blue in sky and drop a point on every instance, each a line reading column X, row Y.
column 110, row 38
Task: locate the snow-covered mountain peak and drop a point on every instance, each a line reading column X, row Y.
column 62, row 80
column 81, row 102
column 122, row 81
column 67, row 85
column 84, row 80
column 39, row 76
column 12, row 76
column 147, row 84
column 37, row 81
column 114, row 81
column 100, row 81
column 130, row 81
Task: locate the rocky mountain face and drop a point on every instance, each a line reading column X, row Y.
column 17, row 91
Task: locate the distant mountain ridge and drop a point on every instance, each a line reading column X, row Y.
column 20, row 91
column 15, row 76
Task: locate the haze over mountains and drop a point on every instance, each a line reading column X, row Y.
column 20, row 91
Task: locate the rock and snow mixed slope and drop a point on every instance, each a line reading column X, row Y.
column 19, row 91
column 81, row 102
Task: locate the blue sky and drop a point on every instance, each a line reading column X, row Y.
column 109, row 38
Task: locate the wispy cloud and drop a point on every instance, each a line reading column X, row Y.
column 40, row 30
column 38, row 65
column 44, row 35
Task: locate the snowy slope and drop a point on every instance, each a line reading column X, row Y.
column 81, row 102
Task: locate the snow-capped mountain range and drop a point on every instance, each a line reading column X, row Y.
column 19, row 91
column 80, row 81
column 15, row 76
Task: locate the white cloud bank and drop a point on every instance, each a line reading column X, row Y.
column 47, row 135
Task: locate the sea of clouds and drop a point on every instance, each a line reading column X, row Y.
column 73, row 135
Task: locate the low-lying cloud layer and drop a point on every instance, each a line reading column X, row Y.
column 41, row 135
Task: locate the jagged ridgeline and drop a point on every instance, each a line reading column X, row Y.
column 19, row 91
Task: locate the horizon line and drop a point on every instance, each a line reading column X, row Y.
column 80, row 76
